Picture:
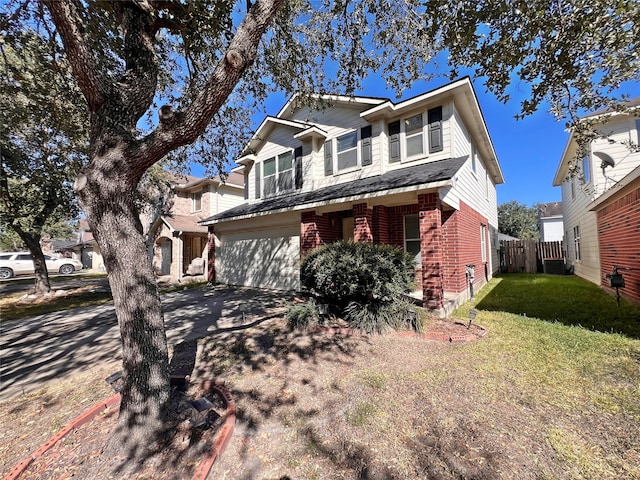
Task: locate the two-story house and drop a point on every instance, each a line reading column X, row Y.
column 419, row 174
column 178, row 239
column 601, row 203
column 550, row 222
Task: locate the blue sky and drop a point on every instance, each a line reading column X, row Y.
column 528, row 150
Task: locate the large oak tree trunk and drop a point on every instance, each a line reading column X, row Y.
column 118, row 159
column 108, row 201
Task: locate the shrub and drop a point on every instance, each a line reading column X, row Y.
column 343, row 272
column 363, row 282
column 302, row 315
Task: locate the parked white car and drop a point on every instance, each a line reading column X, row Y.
column 21, row 263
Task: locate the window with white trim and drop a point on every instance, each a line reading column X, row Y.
column 414, row 136
column 411, row 137
column 412, row 236
column 277, row 174
column 349, row 151
column 483, row 241
column 586, row 169
column 474, row 158
column 576, row 242
column 196, row 201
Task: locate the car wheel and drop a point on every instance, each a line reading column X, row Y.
column 67, row 269
column 6, row 273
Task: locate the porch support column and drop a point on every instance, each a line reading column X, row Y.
column 362, row 223
column 431, row 250
column 310, row 232
column 211, row 257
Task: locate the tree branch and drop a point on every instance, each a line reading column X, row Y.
column 68, row 21
column 241, row 53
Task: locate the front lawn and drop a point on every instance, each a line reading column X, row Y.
column 570, row 300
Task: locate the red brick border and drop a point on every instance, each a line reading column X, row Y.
column 219, row 444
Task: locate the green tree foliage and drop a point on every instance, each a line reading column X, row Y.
column 43, row 139
column 193, row 71
column 518, row 220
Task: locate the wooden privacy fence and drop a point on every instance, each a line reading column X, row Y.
column 529, row 256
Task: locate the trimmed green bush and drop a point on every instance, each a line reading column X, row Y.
column 360, row 281
column 348, row 271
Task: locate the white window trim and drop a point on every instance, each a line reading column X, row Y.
column 474, row 159
column 588, row 175
column 358, row 166
column 483, row 241
column 404, row 156
column 263, row 181
column 577, row 250
column 193, row 201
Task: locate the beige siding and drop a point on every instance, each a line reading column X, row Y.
column 474, row 188
column 576, row 204
column 576, row 213
column 223, row 198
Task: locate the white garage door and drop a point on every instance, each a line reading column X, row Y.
column 263, row 259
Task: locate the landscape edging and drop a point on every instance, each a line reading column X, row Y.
column 219, row 444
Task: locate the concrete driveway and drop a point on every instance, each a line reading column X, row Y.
column 54, row 347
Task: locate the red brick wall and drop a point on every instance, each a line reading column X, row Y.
column 461, row 239
column 317, row 230
column 430, row 208
column 619, row 238
column 362, row 223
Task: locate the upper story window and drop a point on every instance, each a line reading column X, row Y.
column 474, row 158
column 196, row 201
column 586, row 169
column 414, row 135
column 348, row 151
column 411, row 137
column 279, row 174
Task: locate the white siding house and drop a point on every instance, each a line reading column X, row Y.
column 371, row 170
column 609, row 160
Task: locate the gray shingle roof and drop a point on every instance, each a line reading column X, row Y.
column 400, row 178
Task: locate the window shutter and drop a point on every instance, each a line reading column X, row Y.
column 258, row 167
column 246, row 186
column 435, row 130
column 394, row 142
column 328, row 158
column 365, row 145
column 297, row 159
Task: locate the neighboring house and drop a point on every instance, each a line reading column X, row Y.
column 86, row 248
column 179, row 242
column 420, row 174
column 550, row 222
column 600, row 205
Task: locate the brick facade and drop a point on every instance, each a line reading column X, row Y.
column 461, row 242
column 619, row 239
column 362, row 223
column 450, row 239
